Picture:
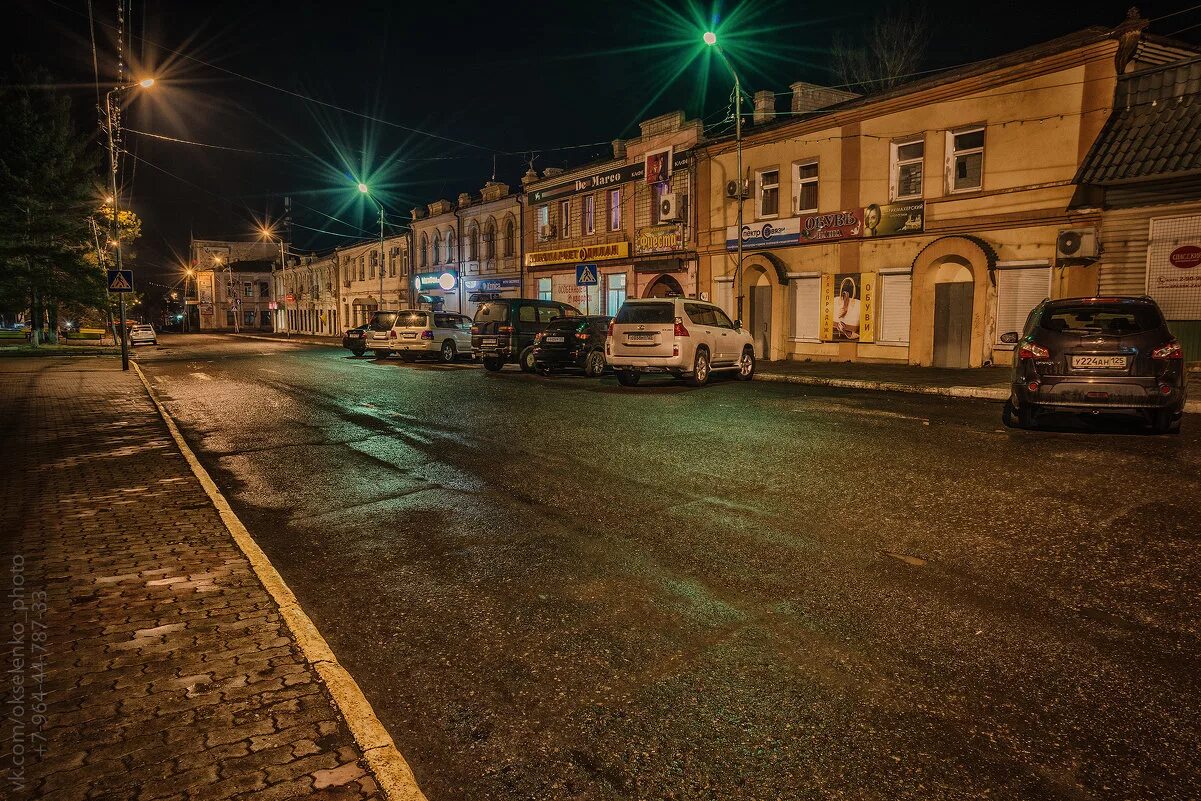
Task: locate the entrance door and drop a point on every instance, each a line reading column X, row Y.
column 953, row 323
column 760, row 322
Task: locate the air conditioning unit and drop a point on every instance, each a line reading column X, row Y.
column 732, row 189
column 671, row 207
column 547, row 232
column 1076, row 243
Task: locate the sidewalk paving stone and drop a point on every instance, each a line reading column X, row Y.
column 155, row 665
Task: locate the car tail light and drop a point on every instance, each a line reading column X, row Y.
column 609, row 333
column 581, row 337
column 504, row 329
column 427, row 334
column 538, row 337
column 392, row 334
column 1165, row 389
column 680, row 330
column 1172, row 350
column 1032, row 386
column 1033, row 350
column 475, row 329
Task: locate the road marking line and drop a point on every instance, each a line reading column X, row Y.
column 392, row 772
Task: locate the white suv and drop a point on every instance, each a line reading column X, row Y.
column 417, row 332
column 684, row 337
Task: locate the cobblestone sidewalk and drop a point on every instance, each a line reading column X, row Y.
column 143, row 658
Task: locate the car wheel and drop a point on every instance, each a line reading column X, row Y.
column 1028, row 417
column 595, row 365
column 746, row 365
column 1009, row 414
column 448, row 352
column 382, row 354
column 358, row 351
column 1164, row 422
column 493, row 364
column 628, row 378
column 700, row 369
column 527, row 360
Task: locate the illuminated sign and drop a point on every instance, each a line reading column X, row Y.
column 444, row 281
column 659, row 239
column 583, row 253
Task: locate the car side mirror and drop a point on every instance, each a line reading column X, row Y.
column 738, row 325
column 1009, row 338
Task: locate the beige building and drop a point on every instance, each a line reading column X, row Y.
column 230, row 286
column 919, row 224
column 437, row 278
column 490, row 256
column 372, row 276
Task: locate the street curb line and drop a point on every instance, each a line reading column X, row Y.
column 389, row 767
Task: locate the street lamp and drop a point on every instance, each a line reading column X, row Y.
column 268, row 234
column 366, row 190
column 710, row 38
column 145, row 83
column 187, row 311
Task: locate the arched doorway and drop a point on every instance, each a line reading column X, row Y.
column 953, row 300
column 662, row 287
column 951, row 291
column 758, row 310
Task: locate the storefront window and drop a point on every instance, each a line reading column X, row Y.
column 544, row 289
column 615, row 292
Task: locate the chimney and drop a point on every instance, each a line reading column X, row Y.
column 530, row 176
column 619, row 148
column 808, row 97
column 765, row 106
column 464, row 200
column 551, row 172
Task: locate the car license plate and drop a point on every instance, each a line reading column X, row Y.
column 555, row 339
column 1099, row 362
column 489, row 342
column 640, row 337
column 379, row 335
column 411, row 335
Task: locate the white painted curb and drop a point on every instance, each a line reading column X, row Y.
column 389, row 767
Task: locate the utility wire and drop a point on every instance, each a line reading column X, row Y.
column 1175, row 13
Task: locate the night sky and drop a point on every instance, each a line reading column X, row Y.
column 452, row 86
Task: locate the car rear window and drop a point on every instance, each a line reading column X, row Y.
column 383, row 321
column 1095, row 318
column 564, row 324
column 646, row 313
column 492, row 313
column 412, row 320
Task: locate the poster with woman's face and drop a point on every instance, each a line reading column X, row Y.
column 848, row 306
column 658, row 166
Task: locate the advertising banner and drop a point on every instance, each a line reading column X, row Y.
column 659, row 239
column 775, row 233
column 444, row 281
column 492, row 284
column 622, row 174
column 1174, row 266
column 584, row 253
column 848, row 307
column 585, row 298
column 832, row 226
column 891, row 219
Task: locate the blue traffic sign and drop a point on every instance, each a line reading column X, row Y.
column 120, row 280
column 585, row 275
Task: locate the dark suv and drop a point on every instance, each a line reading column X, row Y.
column 573, row 342
column 503, row 330
column 1095, row 355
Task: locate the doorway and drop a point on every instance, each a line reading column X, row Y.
column 953, row 323
column 665, row 286
column 760, row 319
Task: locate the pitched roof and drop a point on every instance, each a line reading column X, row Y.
column 1152, row 132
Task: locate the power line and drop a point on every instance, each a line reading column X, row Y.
column 1175, row 13
column 214, row 147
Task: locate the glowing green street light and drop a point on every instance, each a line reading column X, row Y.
column 710, row 38
column 366, row 190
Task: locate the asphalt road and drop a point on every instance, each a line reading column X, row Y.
column 562, row 589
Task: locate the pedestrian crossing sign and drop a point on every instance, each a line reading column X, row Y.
column 120, row 280
column 585, row 275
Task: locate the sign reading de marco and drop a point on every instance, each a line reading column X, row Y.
column 611, row 250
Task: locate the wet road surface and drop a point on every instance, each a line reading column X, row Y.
column 562, row 589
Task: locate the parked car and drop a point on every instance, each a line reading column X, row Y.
column 683, row 337
column 142, row 335
column 417, row 332
column 1096, row 355
column 355, row 340
column 503, row 330
column 573, row 342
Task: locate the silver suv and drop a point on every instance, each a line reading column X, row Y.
column 417, row 332
column 683, row 337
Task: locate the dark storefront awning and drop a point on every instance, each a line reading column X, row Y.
column 660, row 266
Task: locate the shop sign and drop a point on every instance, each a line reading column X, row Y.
column 622, row 174
column 831, row 226
column 565, row 290
column 890, row 219
column 492, row 284
column 1185, row 257
column 848, row 307
column 659, row 239
column 775, row 233
column 610, row 250
column 445, row 280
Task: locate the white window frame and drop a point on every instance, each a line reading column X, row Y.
column 760, row 186
column 953, row 155
column 895, row 163
column 794, row 301
column 614, row 209
column 542, row 220
column 564, row 218
column 884, row 276
column 588, row 214
column 798, row 183
column 610, row 290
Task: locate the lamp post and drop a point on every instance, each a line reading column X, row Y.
column 146, row 83
column 187, row 309
column 283, row 264
column 710, row 38
column 366, row 190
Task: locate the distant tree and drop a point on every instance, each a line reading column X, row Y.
column 892, row 48
column 47, row 194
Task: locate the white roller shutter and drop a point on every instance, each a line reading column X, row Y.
column 895, row 293
column 806, row 307
column 1019, row 291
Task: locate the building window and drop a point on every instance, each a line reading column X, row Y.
column 544, row 223
column 425, row 251
column 544, row 289
column 437, row 247
column 768, row 200
column 362, row 268
column 250, row 316
column 804, row 187
column 265, row 319
column 229, row 316
column 614, row 209
column 907, row 167
column 510, row 238
column 806, row 308
column 615, row 292
column 247, row 289
column 589, row 223
column 966, row 154
column 474, row 242
column 895, row 300
column 264, row 289
column 564, row 218
column 490, row 240
column 392, row 265
column 1019, row 291
column 450, row 247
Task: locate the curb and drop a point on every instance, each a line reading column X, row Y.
column 391, row 771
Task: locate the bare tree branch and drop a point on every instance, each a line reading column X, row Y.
column 893, row 48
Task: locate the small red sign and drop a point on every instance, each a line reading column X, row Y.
column 289, row 298
column 1186, row 257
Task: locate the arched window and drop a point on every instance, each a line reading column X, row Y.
column 437, row 247
column 474, row 253
column 450, row 247
column 490, row 240
column 425, row 251
column 510, row 237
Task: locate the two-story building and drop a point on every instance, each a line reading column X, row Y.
column 437, row 280
column 307, row 296
column 490, row 258
column 229, row 288
column 371, row 275
column 918, row 224
column 630, row 218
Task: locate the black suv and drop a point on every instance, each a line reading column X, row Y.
column 573, row 342
column 1095, row 355
column 503, row 330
